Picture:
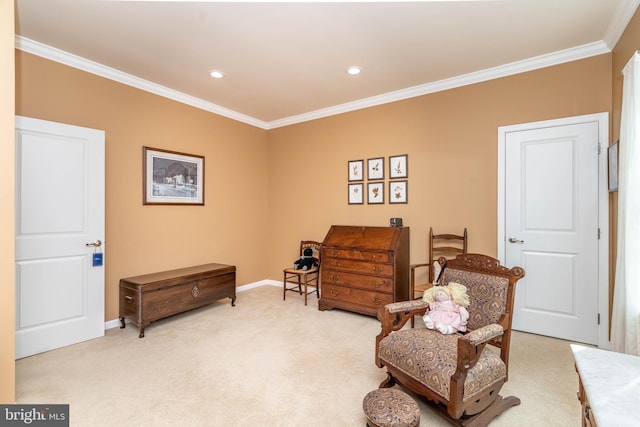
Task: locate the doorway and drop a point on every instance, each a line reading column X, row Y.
column 59, row 227
column 553, row 221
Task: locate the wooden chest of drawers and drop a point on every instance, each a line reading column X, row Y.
column 364, row 268
column 150, row 297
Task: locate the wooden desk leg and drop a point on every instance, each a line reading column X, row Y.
column 122, row 325
column 233, row 301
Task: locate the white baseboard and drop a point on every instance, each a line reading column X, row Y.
column 115, row 323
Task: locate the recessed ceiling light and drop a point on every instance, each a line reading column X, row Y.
column 216, row 74
column 354, row 70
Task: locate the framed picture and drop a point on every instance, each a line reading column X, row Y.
column 398, row 191
column 355, row 194
column 613, row 167
column 375, row 168
column 356, row 170
column 172, row 178
column 398, row 166
column 375, row 193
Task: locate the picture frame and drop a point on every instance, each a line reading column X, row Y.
column 612, row 152
column 172, row 178
column 375, row 168
column 356, row 170
column 356, row 196
column 375, row 193
column 398, row 166
column 398, row 191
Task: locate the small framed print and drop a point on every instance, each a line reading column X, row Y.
column 375, row 193
column 398, row 166
column 356, row 170
column 398, row 191
column 355, row 194
column 613, row 167
column 375, row 168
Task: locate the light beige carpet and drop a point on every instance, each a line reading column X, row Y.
column 264, row 362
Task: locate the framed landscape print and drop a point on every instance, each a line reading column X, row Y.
column 172, row 178
column 356, row 170
column 375, row 168
column 375, row 193
column 398, row 166
column 398, row 191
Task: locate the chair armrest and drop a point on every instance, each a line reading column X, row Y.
column 470, row 347
column 412, row 276
column 484, row 334
column 414, row 266
column 394, row 316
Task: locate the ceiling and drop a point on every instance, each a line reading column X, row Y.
column 285, row 62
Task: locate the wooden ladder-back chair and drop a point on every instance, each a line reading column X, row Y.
column 456, row 373
column 440, row 245
column 304, row 278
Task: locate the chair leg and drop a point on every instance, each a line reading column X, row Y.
column 304, row 279
column 284, row 286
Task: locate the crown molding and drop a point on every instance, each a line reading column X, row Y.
column 542, row 61
column 57, row 55
column 620, row 21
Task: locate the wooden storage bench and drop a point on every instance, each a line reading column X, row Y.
column 150, row 297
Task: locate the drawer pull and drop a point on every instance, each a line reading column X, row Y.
column 335, row 278
column 376, row 301
column 377, row 285
column 377, row 270
column 128, row 299
column 195, row 292
column 333, row 293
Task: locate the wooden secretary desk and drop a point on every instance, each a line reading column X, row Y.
column 364, row 268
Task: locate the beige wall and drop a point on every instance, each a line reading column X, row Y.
column 267, row 190
column 451, row 139
column 7, row 194
column 142, row 239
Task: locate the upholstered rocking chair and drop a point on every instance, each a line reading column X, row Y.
column 457, row 374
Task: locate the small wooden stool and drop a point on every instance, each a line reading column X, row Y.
column 389, row 407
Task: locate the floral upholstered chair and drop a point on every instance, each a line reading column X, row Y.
column 456, row 373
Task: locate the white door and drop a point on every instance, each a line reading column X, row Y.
column 59, row 210
column 551, row 229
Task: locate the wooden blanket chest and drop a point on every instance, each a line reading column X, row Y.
column 150, row 297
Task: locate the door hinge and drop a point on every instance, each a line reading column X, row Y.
column 598, row 233
column 599, row 148
column 598, row 318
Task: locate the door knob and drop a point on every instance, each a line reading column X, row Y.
column 96, row 244
column 514, row 240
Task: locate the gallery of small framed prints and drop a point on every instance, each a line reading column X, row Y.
column 366, row 180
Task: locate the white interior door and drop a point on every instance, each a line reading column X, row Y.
column 59, row 209
column 551, row 227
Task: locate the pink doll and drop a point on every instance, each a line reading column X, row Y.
column 447, row 308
